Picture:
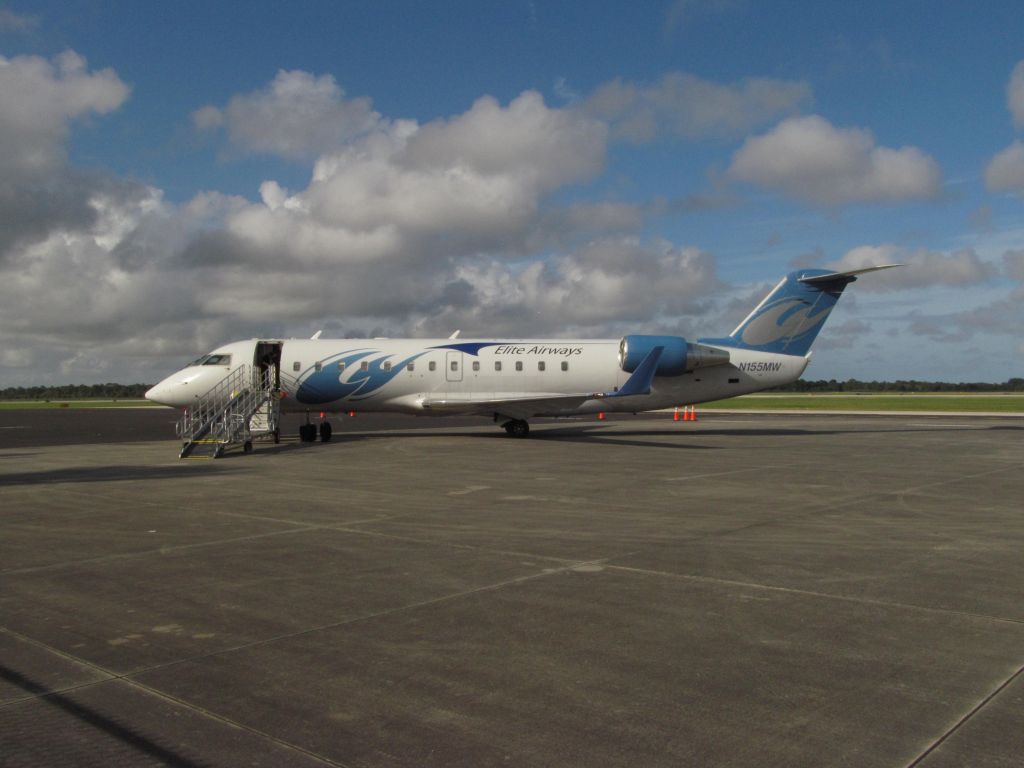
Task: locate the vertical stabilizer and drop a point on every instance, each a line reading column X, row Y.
column 789, row 318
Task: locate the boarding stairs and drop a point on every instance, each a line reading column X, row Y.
column 243, row 406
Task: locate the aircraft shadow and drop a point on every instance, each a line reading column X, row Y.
column 592, row 433
column 585, row 435
column 100, row 722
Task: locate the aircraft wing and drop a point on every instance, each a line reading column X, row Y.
column 523, row 406
column 513, row 405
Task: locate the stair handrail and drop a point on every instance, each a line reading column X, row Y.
column 224, row 413
column 201, row 416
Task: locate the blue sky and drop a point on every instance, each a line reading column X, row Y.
column 179, row 175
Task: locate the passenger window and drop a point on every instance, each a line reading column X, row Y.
column 318, row 366
column 565, row 365
column 519, row 365
column 387, row 366
column 341, row 367
column 497, row 365
column 364, row 366
column 540, row 366
column 409, row 367
column 476, row 365
column 432, row 365
column 455, row 365
column 296, row 366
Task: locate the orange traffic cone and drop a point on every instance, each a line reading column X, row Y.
column 600, row 416
column 675, row 414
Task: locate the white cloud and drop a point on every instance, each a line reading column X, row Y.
column 15, row 22
column 1013, row 265
column 408, row 194
column 600, row 290
column 544, row 147
column 993, row 317
column 809, row 159
column 404, row 227
column 922, row 268
column 688, row 107
column 1015, row 94
column 40, row 98
column 1005, row 172
column 297, row 115
column 390, row 222
column 682, row 13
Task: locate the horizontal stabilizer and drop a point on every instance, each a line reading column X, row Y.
column 845, row 277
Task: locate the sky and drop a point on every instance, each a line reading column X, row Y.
column 174, row 176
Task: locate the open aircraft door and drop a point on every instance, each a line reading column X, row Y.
column 267, row 360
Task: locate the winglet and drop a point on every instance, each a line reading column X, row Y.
column 640, row 382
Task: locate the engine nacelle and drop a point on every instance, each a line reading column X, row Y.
column 678, row 357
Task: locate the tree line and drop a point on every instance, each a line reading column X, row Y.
column 109, row 391
column 855, row 385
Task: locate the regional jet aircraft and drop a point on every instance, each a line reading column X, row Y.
column 512, row 381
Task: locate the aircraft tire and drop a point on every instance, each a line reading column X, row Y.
column 247, row 446
column 325, row 432
column 307, row 433
column 518, row 428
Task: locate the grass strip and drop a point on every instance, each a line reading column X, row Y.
column 14, row 405
column 967, row 403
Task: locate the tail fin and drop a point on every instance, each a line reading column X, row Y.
column 789, row 318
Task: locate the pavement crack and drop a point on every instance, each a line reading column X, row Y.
column 964, row 720
column 375, row 615
column 58, row 697
column 147, row 552
column 809, row 593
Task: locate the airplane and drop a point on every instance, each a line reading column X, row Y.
column 514, row 380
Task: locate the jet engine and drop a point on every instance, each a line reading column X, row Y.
column 678, row 356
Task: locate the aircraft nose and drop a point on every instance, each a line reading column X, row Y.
column 158, row 393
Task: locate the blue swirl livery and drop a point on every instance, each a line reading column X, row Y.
column 790, row 317
column 332, row 382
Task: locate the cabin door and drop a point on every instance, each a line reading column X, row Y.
column 453, row 366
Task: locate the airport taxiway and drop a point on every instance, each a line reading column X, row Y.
column 747, row 590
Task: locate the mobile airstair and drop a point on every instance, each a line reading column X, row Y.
column 244, row 406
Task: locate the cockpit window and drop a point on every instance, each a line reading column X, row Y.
column 200, row 361
column 217, row 360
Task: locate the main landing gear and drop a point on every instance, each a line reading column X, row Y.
column 517, row 427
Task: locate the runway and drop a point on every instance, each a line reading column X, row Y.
column 748, row 590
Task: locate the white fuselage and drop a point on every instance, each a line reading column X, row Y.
column 411, row 375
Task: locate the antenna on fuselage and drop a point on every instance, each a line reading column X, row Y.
column 316, row 335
